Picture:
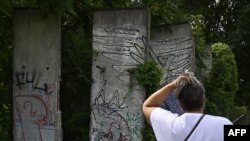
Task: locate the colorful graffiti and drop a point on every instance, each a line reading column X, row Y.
column 32, row 105
column 36, row 76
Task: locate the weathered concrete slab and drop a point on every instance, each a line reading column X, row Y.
column 118, row 44
column 36, row 76
column 173, row 48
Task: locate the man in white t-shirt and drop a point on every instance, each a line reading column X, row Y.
column 170, row 126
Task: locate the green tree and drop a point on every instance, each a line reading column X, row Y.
column 164, row 11
column 240, row 42
column 222, row 83
column 227, row 21
column 76, row 72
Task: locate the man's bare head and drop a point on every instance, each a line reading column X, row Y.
column 190, row 92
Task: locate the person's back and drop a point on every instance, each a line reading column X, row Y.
column 211, row 128
column 172, row 127
column 169, row 126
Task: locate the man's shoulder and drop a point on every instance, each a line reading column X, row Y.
column 163, row 111
column 159, row 113
column 218, row 119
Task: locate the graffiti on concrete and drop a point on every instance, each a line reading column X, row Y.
column 22, row 79
column 133, row 120
column 124, row 49
column 174, row 55
column 127, row 49
column 36, row 76
column 119, row 49
column 106, row 115
column 32, row 105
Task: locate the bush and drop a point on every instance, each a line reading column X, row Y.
column 148, row 75
column 222, row 83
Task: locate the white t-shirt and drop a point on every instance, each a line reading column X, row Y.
column 168, row 126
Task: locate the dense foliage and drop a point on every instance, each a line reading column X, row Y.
column 148, row 75
column 212, row 21
column 222, row 83
column 5, row 78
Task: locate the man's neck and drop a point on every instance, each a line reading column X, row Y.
column 195, row 111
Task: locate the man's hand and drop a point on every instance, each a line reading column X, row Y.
column 156, row 99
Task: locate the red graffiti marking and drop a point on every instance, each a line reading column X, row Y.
column 32, row 112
